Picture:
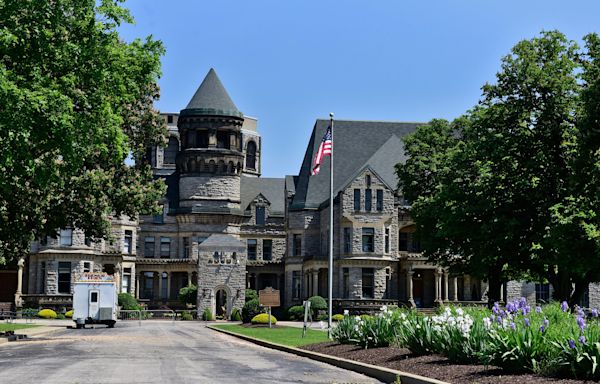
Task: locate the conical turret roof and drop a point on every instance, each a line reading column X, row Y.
column 211, row 98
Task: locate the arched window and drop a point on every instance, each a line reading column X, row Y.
column 251, row 155
column 171, row 151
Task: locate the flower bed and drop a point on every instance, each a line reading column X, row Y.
column 551, row 340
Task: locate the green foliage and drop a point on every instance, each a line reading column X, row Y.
column 296, row 312
column 127, row 302
column 251, row 295
column 417, row 334
column 250, row 309
column 189, row 295
column 317, row 303
column 207, row 315
column 60, row 316
column 69, row 314
column 263, row 318
column 346, row 330
column 236, row 315
column 47, row 314
column 337, row 317
column 76, row 99
column 186, row 316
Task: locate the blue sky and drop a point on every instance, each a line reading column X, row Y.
column 290, row 62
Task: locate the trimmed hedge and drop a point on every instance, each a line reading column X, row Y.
column 337, row 317
column 317, row 303
column 296, row 312
column 127, row 302
column 69, row 314
column 251, row 309
column 263, row 318
column 47, row 314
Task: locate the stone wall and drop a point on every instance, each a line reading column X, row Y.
column 216, row 188
column 212, row 277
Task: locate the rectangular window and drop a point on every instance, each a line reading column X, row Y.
column 126, row 281
column 127, row 242
column 87, row 240
column 267, row 250
column 542, row 293
column 64, row 277
column 87, row 266
column 147, row 286
column 357, row 200
column 252, row 249
column 368, row 283
column 415, row 243
column 387, row 240
column 170, row 119
column 149, row 246
column 347, row 240
column 296, row 284
column 186, row 248
column 346, row 280
column 260, row 215
column 66, row 237
column 368, row 239
column 94, row 297
column 159, row 218
column 368, row 199
column 403, row 241
column 165, row 247
column 43, row 241
column 380, row 200
column 297, row 245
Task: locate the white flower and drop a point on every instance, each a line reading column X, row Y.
column 346, row 312
column 356, row 318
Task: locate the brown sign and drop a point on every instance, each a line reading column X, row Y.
column 269, row 297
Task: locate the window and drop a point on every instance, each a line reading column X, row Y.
column 165, row 247
column 44, row 241
column 170, row 119
column 94, row 297
column 66, row 237
column 171, row 151
column 403, row 241
column 126, row 281
column 267, row 249
column 186, row 248
column 260, row 215
column 297, row 245
column 149, row 246
column 357, row 199
column 159, row 218
column 368, row 199
column 368, row 181
column 380, row 200
column 87, row 241
column 148, row 286
column 542, row 293
column 252, row 249
column 251, row 155
column 368, row 283
column 296, row 284
column 127, row 242
column 347, row 240
column 415, row 243
column 387, row 239
column 346, row 280
column 87, row 266
column 222, row 139
column 368, row 239
column 64, row 277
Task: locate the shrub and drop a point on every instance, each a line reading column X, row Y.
column 251, row 295
column 236, row 315
column 47, row 314
column 416, row 333
column 207, row 315
column 186, row 316
column 346, row 331
column 337, row 317
column 296, row 312
column 263, row 318
column 250, row 309
column 69, row 314
column 317, row 303
column 189, row 295
column 127, row 302
column 60, row 316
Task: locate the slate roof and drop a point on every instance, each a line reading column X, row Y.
column 222, row 242
column 273, row 189
column 356, row 145
column 211, row 98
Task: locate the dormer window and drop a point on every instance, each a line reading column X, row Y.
column 260, row 215
column 368, row 181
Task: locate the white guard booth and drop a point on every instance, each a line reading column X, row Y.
column 95, row 299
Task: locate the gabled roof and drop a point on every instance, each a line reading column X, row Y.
column 273, row 189
column 356, row 144
column 211, row 98
column 222, row 242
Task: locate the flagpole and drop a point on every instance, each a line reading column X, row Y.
column 330, row 279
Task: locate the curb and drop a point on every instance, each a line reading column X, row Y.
column 386, row 375
column 40, row 331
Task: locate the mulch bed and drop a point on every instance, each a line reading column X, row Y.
column 433, row 366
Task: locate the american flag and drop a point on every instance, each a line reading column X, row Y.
column 324, row 150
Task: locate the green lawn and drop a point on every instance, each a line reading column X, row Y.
column 12, row 327
column 289, row 336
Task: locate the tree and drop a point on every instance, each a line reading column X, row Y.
column 75, row 101
column 189, row 295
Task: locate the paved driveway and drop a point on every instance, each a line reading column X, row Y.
column 158, row 352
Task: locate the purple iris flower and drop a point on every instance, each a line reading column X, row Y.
column 522, row 302
column 571, row 344
column 564, row 306
column 513, row 326
column 496, row 308
column 542, row 328
column 527, row 322
column 546, row 322
column 538, row 309
column 579, row 311
column 525, row 310
column 581, row 322
column 510, row 307
column 582, row 340
column 594, row 312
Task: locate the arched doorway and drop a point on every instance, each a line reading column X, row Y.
column 221, row 304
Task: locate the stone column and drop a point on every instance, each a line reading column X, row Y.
column 436, row 276
column 159, row 296
column 446, row 286
column 256, row 282
column 409, row 288
column 501, row 292
column 315, row 283
column 137, row 285
column 467, row 287
column 189, row 278
column 19, row 292
column 212, row 138
column 455, row 282
column 168, row 285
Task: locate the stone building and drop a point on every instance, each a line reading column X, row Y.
column 225, row 228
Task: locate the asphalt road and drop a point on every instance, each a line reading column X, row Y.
column 158, row 352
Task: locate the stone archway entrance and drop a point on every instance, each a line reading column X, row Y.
column 221, row 304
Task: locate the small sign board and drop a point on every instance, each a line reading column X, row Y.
column 269, row 297
column 95, row 277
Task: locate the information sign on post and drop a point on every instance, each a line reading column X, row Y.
column 269, row 297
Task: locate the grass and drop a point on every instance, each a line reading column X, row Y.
column 290, row 336
column 13, row 327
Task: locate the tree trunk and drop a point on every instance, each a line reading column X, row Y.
column 562, row 285
column 580, row 288
column 494, row 285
